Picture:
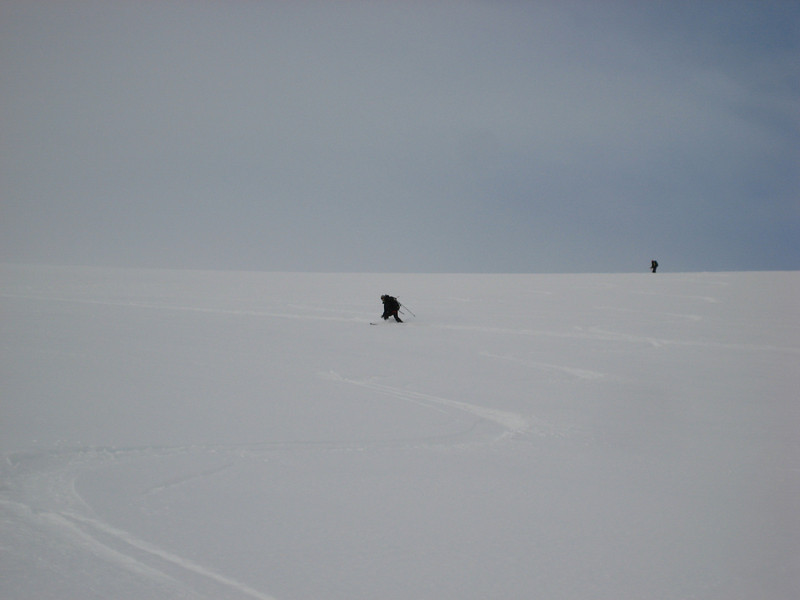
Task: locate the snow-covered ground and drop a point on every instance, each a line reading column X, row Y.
column 175, row 434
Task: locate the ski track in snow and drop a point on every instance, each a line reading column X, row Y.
column 176, row 481
column 514, row 424
column 97, row 530
column 605, row 335
column 39, row 492
column 592, row 333
column 654, row 313
column 154, row 566
column 578, row 373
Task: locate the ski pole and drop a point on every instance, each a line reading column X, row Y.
column 409, row 310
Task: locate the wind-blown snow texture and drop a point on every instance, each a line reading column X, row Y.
column 240, row 435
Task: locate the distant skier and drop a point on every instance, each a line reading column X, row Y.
column 390, row 308
column 653, row 265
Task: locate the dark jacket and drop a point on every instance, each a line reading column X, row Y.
column 390, row 307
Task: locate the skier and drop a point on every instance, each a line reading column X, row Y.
column 653, row 265
column 390, row 307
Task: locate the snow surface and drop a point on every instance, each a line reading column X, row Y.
column 175, row 434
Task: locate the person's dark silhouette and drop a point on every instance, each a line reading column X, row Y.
column 390, row 308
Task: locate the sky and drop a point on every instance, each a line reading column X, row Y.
column 401, row 136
